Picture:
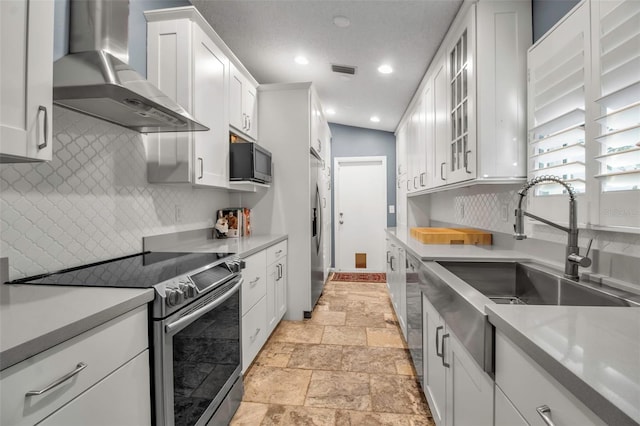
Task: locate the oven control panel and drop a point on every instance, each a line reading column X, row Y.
column 179, row 290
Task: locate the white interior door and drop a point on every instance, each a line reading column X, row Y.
column 360, row 212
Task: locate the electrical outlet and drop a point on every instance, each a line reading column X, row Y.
column 392, row 209
column 178, row 213
column 504, row 212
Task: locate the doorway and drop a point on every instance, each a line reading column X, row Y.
column 360, row 213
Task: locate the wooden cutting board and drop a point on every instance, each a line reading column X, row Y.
column 450, row 236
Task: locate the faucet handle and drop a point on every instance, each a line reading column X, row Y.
column 588, row 247
column 583, row 261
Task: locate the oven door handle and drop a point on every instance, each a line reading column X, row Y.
column 186, row 320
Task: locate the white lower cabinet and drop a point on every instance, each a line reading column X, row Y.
column 276, row 284
column 254, row 332
column 119, row 399
column 98, row 366
column 459, row 392
column 530, row 388
column 397, row 283
column 264, row 298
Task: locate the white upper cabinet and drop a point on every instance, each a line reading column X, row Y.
column 243, row 104
column 473, row 100
column 441, row 132
column 401, row 176
column 318, row 139
column 185, row 62
column 26, row 80
column 460, row 57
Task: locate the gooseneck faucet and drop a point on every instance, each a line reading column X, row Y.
column 573, row 259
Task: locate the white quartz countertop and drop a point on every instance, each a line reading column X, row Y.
column 34, row 318
column 243, row 247
column 593, row 351
column 453, row 252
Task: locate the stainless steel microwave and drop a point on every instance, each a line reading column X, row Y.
column 250, row 162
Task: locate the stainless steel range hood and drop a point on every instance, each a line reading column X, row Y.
column 95, row 79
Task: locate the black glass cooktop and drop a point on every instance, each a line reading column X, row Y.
column 141, row 270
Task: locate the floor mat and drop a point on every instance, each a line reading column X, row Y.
column 360, row 277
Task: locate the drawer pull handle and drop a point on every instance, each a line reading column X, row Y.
column 445, row 364
column 81, row 366
column 438, row 329
column 253, row 338
column 278, row 252
column 46, row 124
column 254, row 282
column 545, row 413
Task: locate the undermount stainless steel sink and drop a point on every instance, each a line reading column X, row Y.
column 532, row 284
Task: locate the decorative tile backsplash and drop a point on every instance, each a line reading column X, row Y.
column 92, row 201
column 487, row 207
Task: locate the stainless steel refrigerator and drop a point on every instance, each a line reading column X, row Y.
column 317, row 272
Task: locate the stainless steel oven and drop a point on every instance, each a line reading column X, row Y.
column 195, row 328
column 197, row 354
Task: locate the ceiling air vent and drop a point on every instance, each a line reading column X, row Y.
column 343, row 69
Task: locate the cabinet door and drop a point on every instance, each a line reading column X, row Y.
column 401, row 150
column 169, row 155
column 435, row 380
column 441, row 123
column 250, row 107
column 401, row 291
column 462, row 141
column 236, row 94
column 122, row 398
column 427, row 180
column 281, row 290
column 210, row 75
column 243, row 104
column 254, row 286
column 272, row 277
column 254, row 332
column 413, row 148
column 26, row 80
column 469, row 389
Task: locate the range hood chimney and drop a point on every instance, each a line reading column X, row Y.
column 95, row 79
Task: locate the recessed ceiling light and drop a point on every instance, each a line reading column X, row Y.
column 301, row 60
column 341, row 21
column 375, row 119
column 330, row 111
column 385, row 69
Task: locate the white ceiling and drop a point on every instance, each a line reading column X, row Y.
column 267, row 35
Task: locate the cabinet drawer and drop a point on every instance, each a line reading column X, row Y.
column 276, row 252
column 103, row 349
column 514, row 367
column 96, row 406
column 505, row 413
column 254, row 286
column 254, row 332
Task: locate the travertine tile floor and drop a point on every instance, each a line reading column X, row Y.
column 347, row 365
